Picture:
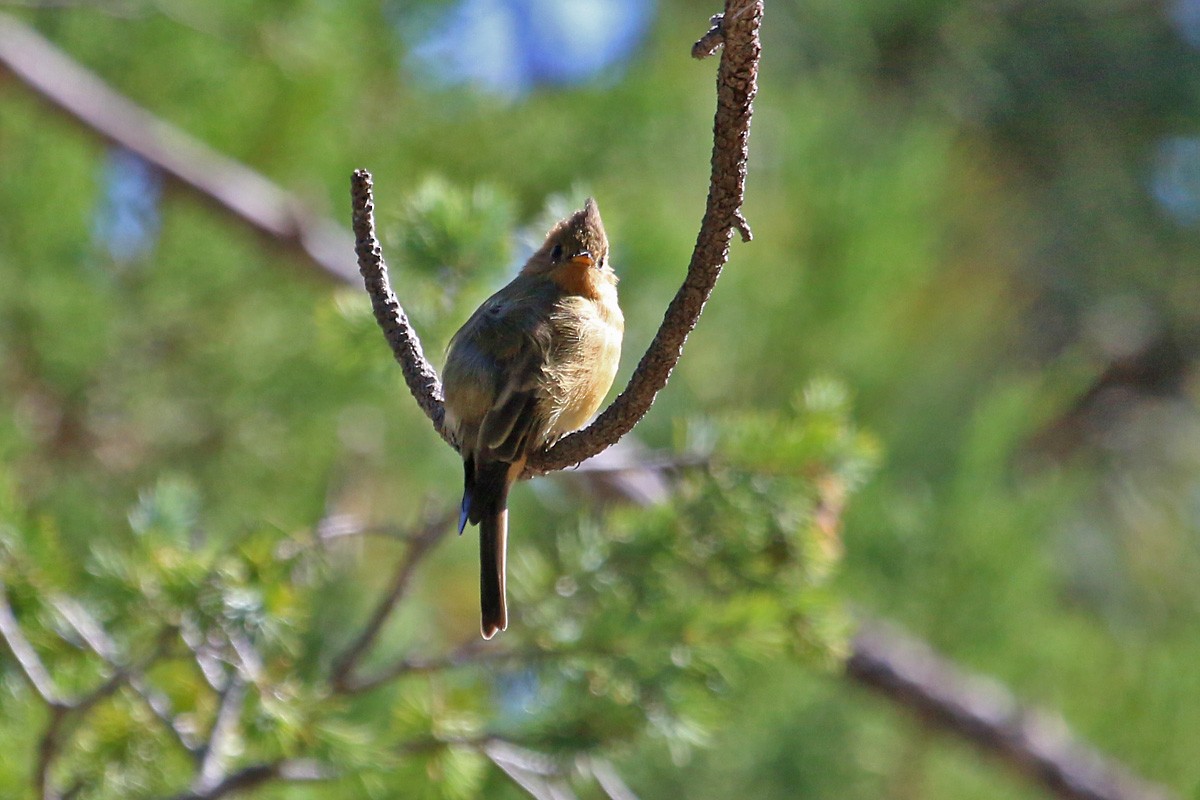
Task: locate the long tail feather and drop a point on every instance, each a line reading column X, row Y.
column 493, row 541
column 488, row 505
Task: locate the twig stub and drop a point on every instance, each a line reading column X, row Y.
column 709, row 42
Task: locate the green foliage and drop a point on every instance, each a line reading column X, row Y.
column 603, row 653
column 453, row 239
column 952, row 217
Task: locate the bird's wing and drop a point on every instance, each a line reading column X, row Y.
column 512, row 423
column 494, row 375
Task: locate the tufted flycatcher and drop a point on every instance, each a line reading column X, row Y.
column 532, row 364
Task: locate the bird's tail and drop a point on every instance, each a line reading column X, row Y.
column 493, row 536
column 488, row 505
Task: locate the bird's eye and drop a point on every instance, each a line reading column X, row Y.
column 556, row 253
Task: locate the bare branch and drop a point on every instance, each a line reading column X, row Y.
column 982, row 711
column 48, row 749
column 95, row 637
column 118, row 678
column 160, row 705
column 534, row 772
column 255, row 775
column 611, row 782
column 220, row 181
column 342, row 677
column 210, row 666
column 214, row 753
column 541, row 775
column 737, row 82
column 419, row 374
column 88, row 627
column 249, row 660
column 31, row 665
column 626, row 473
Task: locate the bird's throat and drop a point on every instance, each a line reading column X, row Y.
column 579, row 279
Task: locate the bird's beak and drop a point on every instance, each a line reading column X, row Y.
column 584, row 259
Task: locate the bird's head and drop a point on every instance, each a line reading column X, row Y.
column 577, row 242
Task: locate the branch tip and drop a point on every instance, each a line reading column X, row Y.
column 421, row 377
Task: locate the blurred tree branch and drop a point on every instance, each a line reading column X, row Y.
column 100, row 643
column 343, row 676
column 908, row 672
column 228, row 185
column 255, row 775
column 534, row 772
column 737, row 83
column 27, row 658
column 214, row 753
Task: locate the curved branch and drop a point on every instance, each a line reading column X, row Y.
column 737, row 83
column 419, row 374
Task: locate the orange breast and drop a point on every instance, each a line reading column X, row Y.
column 578, row 279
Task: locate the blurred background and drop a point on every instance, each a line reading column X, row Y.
column 967, row 330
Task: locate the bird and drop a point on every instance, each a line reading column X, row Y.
column 532, row 364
